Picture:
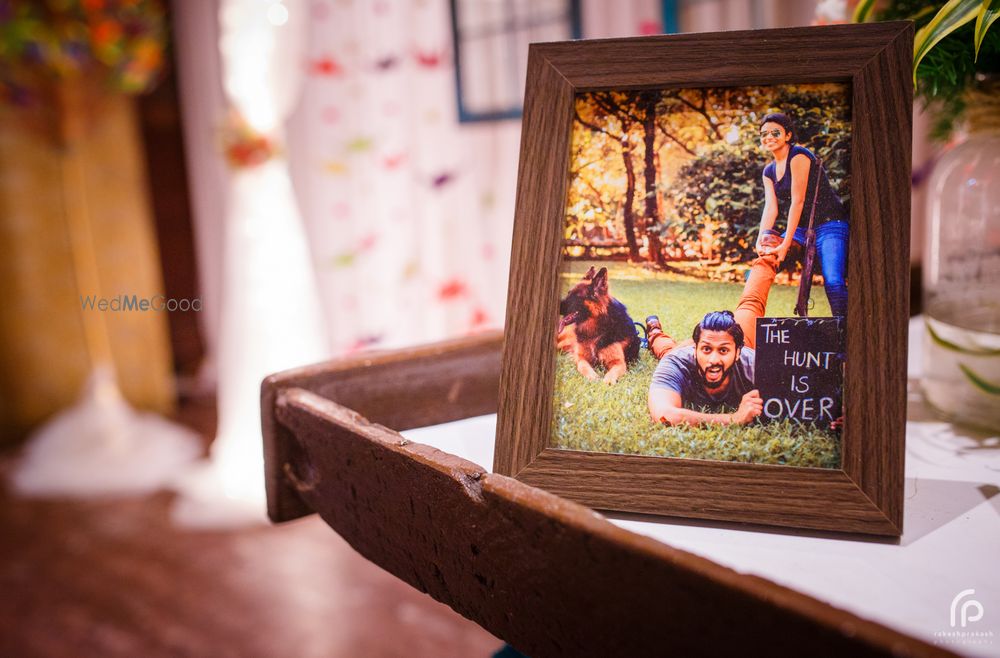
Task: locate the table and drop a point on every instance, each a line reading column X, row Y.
column 951, row 540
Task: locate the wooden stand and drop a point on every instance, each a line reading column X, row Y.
column 549, row 576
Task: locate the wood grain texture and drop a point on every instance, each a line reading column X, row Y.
column 713, row 59
column 549, row 576
column 413, row 387
column 878, row 304
column 720, row 491
column 866, row 495
column 541, row 193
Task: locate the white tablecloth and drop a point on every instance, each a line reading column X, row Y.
column 951, row 540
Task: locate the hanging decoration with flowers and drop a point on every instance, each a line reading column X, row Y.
column 118, row 42
column 243, row 146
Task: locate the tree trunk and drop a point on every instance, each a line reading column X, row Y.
column 652, row 215
column 627, row 214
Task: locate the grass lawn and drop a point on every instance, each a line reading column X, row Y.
column 591, row 416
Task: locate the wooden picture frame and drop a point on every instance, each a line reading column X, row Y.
column 864, row 495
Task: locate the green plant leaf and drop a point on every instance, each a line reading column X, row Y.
column 952, row 16
column 948, row 345
column 988, row 13
column 863, row 12
column 920, row 14
column 979, row 382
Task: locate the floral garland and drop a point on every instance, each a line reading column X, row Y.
column 242, row 145
column 122, row 40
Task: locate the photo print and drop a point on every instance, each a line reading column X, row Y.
column 704, row 286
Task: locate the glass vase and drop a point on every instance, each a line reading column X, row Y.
column 961, row 364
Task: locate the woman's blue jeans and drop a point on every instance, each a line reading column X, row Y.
column 831, row 247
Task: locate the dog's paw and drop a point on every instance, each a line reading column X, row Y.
column 587, row 371
column 611, row 378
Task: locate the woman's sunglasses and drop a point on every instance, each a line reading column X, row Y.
column 773, row 133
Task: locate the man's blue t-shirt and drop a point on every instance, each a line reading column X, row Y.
column 678, row 371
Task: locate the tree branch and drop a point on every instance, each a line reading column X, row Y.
column 611, row 106
column 600, row 199
column 662, row 126
column 585, row 165
column 700, row 110
column 594, row 126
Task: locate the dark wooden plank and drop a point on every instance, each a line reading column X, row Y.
column 549, row 576
column 163, row 150
column 874, row 59
column 412, row 387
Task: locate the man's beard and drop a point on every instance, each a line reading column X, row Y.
column 722, row 380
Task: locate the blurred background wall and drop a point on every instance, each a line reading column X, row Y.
column 407, row 210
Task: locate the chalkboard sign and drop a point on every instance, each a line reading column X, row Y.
column 799, row 368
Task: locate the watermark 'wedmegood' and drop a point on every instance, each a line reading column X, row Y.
column 131, row 303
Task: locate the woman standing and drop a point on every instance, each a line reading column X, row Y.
column 790, row 182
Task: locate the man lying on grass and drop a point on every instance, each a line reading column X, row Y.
column 713, row 373
column 709, row 379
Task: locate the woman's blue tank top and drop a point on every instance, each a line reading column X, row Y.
column 829, row 207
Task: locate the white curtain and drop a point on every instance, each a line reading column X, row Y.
column 270, row 308
column 270, row 311
column 409, row 212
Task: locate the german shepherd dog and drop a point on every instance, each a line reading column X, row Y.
column 596, row 329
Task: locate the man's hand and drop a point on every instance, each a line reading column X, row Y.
column 750, row 407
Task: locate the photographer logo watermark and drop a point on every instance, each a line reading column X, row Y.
column 970, row 611
column 964, row 612
column 132, row 303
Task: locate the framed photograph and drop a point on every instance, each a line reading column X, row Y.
column 709, row 291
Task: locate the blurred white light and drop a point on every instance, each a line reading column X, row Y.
column 277, row 14
column 733, row 134
column 248, row 45
column 832, row 11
